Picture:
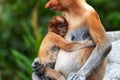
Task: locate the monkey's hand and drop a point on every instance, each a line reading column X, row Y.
column 75, row 76
column 88, row 43
column 37, row 67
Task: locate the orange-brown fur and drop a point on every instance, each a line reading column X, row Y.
column 54, row 39
column 78, row 14
column 45, row 56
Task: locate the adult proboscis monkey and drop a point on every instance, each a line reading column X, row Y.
column 88, row 63
column 53, row 41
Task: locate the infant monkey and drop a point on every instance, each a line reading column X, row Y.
column 53, row 41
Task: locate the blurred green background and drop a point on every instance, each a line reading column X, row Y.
column 23, row 24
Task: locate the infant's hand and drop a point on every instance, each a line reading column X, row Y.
column 89, row 43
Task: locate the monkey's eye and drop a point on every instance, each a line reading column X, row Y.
column 60, row 26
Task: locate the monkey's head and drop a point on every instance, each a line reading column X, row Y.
column 58, row 25
column 62, row 5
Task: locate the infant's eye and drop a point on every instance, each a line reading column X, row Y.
column 60, row 25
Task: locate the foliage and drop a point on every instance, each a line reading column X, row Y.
column 109, row 12
column 21, row 30
column 23, row 24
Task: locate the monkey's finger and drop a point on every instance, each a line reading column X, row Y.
column 71, row 76
column 35, row 62
column 77, row 77
column 35, row 66
column 39, row 73
column 39, row 70
column 39, row 67
column 36, row 59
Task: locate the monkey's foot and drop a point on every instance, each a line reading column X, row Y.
column 37, row 67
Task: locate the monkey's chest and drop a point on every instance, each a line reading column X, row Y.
column 70, row 61
column 77, row 35
column 67, row 62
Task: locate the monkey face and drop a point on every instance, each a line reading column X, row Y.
column 59, row 5
column 58, row 25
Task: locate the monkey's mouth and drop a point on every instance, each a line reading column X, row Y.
column 54, row 8
column 62, row 33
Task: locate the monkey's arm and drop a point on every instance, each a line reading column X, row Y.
column 103, row 47
column 69, row 46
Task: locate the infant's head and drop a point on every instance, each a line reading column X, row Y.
column 58, row 25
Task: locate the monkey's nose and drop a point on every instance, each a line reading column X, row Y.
column 51, row 7
column 46, row 6
column 54, row 8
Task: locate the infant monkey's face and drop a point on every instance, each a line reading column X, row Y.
column 59, row 25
